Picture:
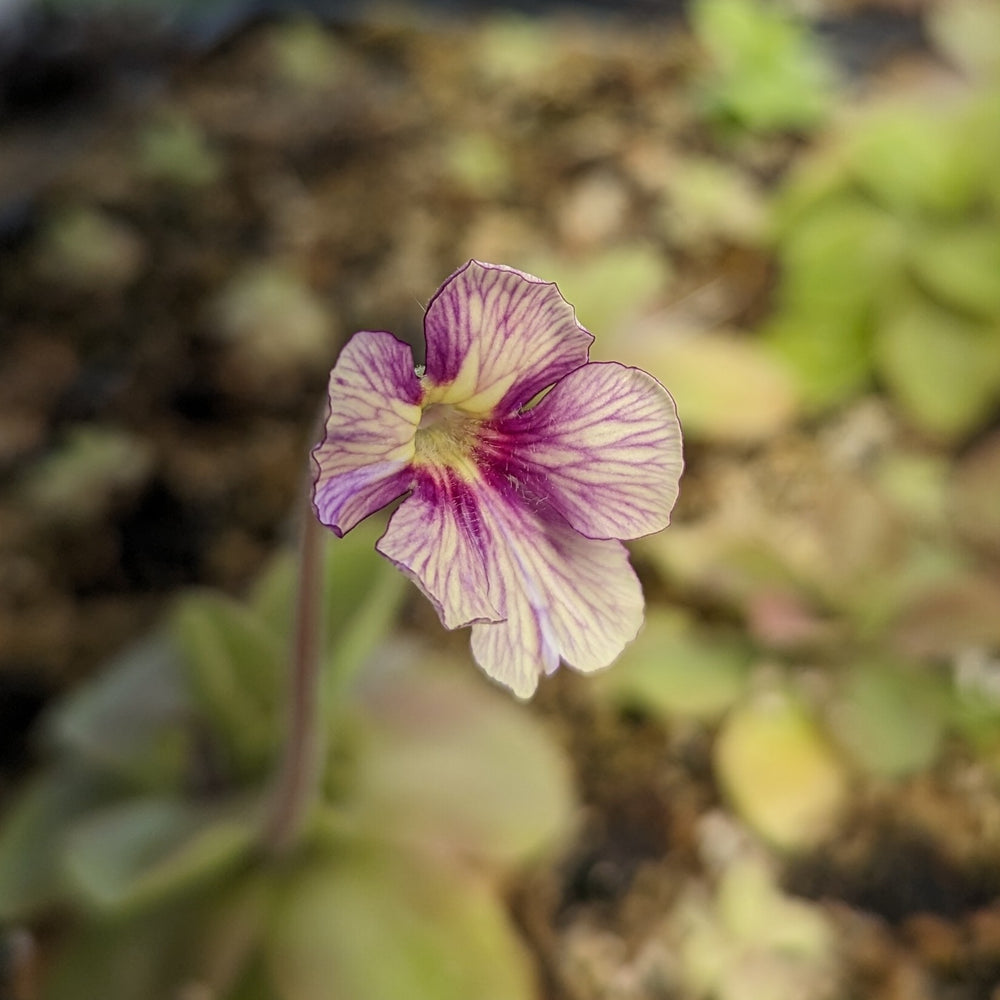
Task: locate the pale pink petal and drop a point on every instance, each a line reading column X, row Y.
column 603, row 447
column 496, row 337
column 438, row 539
column 565, row 597
column 362, row 462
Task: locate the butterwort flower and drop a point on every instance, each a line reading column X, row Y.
column 523, row 465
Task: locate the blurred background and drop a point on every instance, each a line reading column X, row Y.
column 789, row 785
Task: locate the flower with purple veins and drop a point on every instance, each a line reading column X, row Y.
column 516, row 498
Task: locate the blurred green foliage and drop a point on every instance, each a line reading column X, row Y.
column 92, row 469
column 306, row 55
column 889, row 242
column 780, row 770
column 748, row 941
column 86, row 248
column 678, row 669
column 859, row 555
column 172, row 149
column 145, row 827
column 765, row 69
column 605, row 288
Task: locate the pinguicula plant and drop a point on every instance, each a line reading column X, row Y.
column 515, row 505
column 363, row 862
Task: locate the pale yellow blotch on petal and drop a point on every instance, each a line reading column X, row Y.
column 468, row 395
column 409, row 412
column 486, row 401
column 404, row 453
column 459, row 390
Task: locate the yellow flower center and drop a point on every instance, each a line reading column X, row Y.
column 446, row 438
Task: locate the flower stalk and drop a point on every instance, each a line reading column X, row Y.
column 299, row 771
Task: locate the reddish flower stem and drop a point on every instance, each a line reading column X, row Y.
column 299, row 770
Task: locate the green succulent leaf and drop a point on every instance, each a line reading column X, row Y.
column 839, row 258
column 205, row 942
column 143, row 850
column 374, row 926
column 450, row 762
column 837, row 263
column 514, row 50
column 235, row 667
column 752, row 942
column 890, row 719
column 305, row 54
column 728, row 387
column 673, row 669
column 975, row 707
column 176, row 151
column 780, row 771
column 918, row 160
column 31, row 839
column 943, row 369
column 92, row 468
column 133, row 722
column 961, row 267
column 830, row 356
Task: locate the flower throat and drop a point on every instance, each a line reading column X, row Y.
column 446, row 437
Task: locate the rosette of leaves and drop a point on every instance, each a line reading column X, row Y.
column 142, row 836
column 889, row 243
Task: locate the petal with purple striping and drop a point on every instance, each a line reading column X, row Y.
column 363, row 461
column 438, row 538
column 496, row 337
column 603, row 447
column 566, row 597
